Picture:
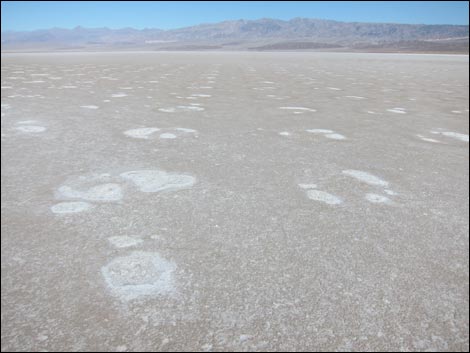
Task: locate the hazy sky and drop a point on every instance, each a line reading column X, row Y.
column 29, row 15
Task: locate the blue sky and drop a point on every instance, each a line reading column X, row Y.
column 30, row 15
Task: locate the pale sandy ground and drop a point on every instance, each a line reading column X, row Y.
column 233, row 254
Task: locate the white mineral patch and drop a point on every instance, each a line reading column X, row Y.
column 397, row 110
column 454, row 135
column 427, row 139
column 355, row 97
column 167, row 135
column 141, row 133
column 308, row 186
column 284, row 133
column 201, row 95
column 138, row 275
column 124, row 241
column 184, row 108
column 119, row 95
column 182, row 129
column 390, row 192
column 365, row 177
column 156, row 180
column 320, row 131
column 190, row 108
column 71, row 207
column 31, row 128
column 89, row 106
column 374, row 198
column 323, row 196
column 167, row 110
column 298, row 108
column 335, row 136
column 101, row 193
column 26, row 122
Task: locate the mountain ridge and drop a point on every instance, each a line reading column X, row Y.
column 250, row 33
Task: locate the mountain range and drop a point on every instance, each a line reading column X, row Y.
column 262, row 34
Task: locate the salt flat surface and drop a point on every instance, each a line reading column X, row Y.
column 305, row 201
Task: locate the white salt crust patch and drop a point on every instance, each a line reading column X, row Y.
column 167, row 135
column 375, row 198
column 182, row 129
column 100, row 193
column 308, row 186
column 118, row 95
column 397, row 110
column 183, row 108
column 298, row 108
column 141, row 133
column 89, row 106
column 138, row 275
column 284, row 133
column 30, row 128
column 71, row 207
column 454, row 135
column 320, row 131
column 156, row 180
column 324, row 197
column 365, row 177
column 390, row 192
column 427, row 139
column 27, row 122
column 335, row 136
column 124, row 241
column 355, row 97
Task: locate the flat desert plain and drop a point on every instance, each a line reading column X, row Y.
column 234, row 201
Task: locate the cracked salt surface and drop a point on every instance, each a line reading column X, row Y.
column 140, row 274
